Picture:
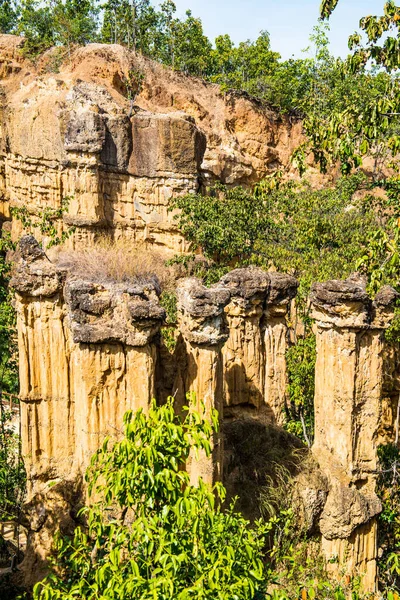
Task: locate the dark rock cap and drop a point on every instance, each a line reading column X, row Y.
column 34, row 274
column 247, row 282
column 386, row 296
column 106, row 313
column 29, row 249
column 335, row 292
column 198, row 301
column 201, row 312
column 283, row 288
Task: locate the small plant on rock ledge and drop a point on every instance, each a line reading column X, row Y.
column 169, row 301
column 46, row 222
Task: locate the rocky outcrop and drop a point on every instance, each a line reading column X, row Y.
column 223, row 330
column 243, row 354
column 77, row 136
column 349, row 393
column 90, row 351
column 203, row 327
column 283, row 290
column 113, row 153
column 87, row 354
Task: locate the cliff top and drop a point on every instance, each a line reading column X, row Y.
column 244, row 140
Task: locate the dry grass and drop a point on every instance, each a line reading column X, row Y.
column 261, row 461
column 118, row 261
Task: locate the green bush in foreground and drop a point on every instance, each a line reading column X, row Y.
column 152, row 535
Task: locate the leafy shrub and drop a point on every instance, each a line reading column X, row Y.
column 301, row 359
column 150, row 534
column 227, row 224
column 311, row 234
column 388, row 489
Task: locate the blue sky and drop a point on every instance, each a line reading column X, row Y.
column 289, row 22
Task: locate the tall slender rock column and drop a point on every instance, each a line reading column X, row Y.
column 47, row 415
column 203, row 328
column 348, row 405
column 283, row 289
column 243, row 353
column 113, row 356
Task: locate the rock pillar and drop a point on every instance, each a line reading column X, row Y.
column 283, row 289
column 243, row 353
column 255, row 377
column 87, row 355
column 348, row 406
column 203, row 328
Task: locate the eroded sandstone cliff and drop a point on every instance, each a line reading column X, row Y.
column 117, row 135
column 90, row 350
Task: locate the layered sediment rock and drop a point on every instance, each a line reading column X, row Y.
column 254, row 355
column 77, row 137
column 349, row 392
column 283, row 289
column 243, row 354
column 202, row 324
column 87, row 355
column 89, row 351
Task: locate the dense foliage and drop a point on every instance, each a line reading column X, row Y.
column 388, row 489
column 312, row 234
column 356, row 129
column 151, row 534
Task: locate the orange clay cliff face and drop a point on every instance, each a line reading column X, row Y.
column 90, row 347
column 118, row 153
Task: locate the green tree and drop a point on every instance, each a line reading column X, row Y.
column 388, row 489
column 75, row 21
column 370, row 128
column 133, row 24
column 57, row 23
column 12, row 472
column 311, row 234
column 150, row 534
column 37, row 26
column 227, row 224
column 387, row 53
column 245, row 67
column 166, row 33
column 364, row 128
column 9, row 13
column 192, row 53
column 223, row 58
